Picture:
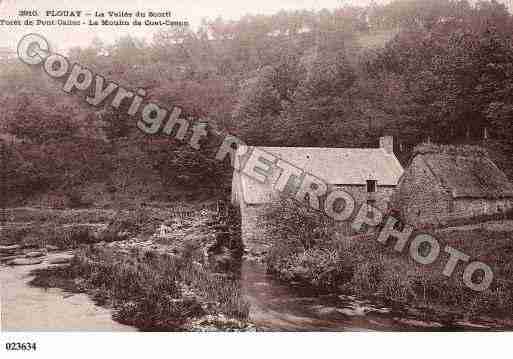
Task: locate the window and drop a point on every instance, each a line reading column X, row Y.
column 371, row 186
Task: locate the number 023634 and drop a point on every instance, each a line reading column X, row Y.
column 18, row 346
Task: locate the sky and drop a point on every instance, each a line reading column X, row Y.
column 187, row 10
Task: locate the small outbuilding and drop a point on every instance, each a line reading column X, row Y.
column 444, row 183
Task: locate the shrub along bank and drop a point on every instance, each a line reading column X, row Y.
column 151, row 291
column 362, row 266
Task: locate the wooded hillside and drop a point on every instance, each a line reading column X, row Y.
column 415, row 69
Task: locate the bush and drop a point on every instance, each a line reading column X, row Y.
column 76, row 200
column 362, row 266
column 294, row 222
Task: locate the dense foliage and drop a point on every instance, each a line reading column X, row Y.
column 413, row 68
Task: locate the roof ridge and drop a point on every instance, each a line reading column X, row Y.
column 450, row 150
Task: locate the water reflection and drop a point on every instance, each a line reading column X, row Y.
column 277, row 306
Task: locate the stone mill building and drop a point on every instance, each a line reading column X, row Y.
column 371, row 175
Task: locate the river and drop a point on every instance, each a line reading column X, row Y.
column 277, row 306
column 274, row 306
column 27, row 308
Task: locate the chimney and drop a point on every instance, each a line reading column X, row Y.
column 387, row 143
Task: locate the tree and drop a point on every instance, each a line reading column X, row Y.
column 39, row 119
column 321, row 99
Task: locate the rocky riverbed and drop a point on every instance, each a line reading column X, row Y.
column 27, row 255
column 170, row 276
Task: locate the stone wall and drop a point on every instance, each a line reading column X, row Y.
column 420, row 197
column 256, row 231
column 472, row 207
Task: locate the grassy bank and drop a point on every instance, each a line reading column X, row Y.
column 152, row 291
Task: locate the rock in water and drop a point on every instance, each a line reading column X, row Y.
column 60, row 260
column 9, row 249
column 9, row 258
column 25, row 261
column 51, row 248
column 35, row 254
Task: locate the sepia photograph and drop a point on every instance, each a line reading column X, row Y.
column 295, row 166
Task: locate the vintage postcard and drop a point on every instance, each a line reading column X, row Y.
column 268, row 166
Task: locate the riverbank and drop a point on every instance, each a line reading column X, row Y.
column 153, row 269
column 158, row 273
column 363, row 267
column 151, row 291
column 27, row 308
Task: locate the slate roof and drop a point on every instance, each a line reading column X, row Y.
column 336, row 166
